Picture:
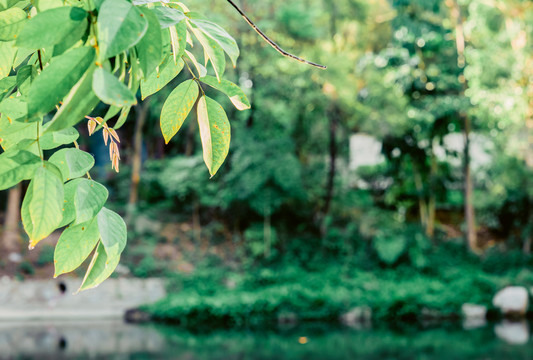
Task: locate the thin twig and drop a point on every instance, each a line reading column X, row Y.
column 40, row 59
column 270, row 41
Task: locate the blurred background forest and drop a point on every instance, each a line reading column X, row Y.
column 398, row 179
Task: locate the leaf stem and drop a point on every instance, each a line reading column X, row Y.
column 194, row 76
column 270, row 41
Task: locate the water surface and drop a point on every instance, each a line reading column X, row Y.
column 116, row 340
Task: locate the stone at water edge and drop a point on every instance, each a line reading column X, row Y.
column 357, row 316
column 474, row 316
column 474, row 311
column 513, row 301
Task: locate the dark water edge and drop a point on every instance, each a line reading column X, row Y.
column 116, row 340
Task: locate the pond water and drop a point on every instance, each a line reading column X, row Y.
column 115, row 340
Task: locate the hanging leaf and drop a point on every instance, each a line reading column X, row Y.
column 150, row 48
column 74, row 246
column 7, row 55
column 122, row 118
column 65, row 21
column 11, row 22
column 7, row 85
column 235, row 94
column 14, row 132
column 167, row 71
column 69, row 208
column 15, row 108
column 100, row 268
column 118, row 33
column 213, row 52
column 72, row 163
column 177, row 107
column 43, row 203
column 220, row 36
column 17, row 166
column 215, row 133
column 202, row 71
column 79, row 102
column 168, row 16
column 113, row 232
column 89, row 199
column 110, row 90
column 57, row 79
column 55, row 139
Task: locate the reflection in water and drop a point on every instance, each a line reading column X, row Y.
column 116, row 340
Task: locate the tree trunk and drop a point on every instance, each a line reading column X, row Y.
column 11, row 235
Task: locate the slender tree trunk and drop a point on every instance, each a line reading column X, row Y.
column 422, row 204
column 432, row 201
column 11, row 235
column 470, row 216
column 142, row 111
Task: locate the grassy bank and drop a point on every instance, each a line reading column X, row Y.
column 218, row 297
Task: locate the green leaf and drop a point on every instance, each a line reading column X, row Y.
column 57, row 79
column 45, row 204
column 235, row 94
column 43, row 5
column 80, row 101
column 150, row 48
column 122, row 118
column 168, row 16
column 7, row 85
column 11, row 22
column 7, row 56
column 167, row 71
column 17, row 166
column 110, row 90
column 69, row 208
column 113, row 232
column 220, row 36
column 14, row 132
column 15, row 108
column 74, row 246
column 72, row 163
column 100, row 268
column 120, row 26
column 76, row 36
column 89, row 199
column 52, row 26
column 213, row 52
column 54, row 139
column 25, row 76
column 6, row 4
column 181, row 32
column 215, row 133
column 202, row 71
column 177, row 107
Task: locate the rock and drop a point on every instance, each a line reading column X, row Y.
column 512, row 301
column 515, row 333
column 136, row 316
column 357, row 316
column 474, row 311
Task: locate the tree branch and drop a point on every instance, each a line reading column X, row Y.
column 270, row 41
